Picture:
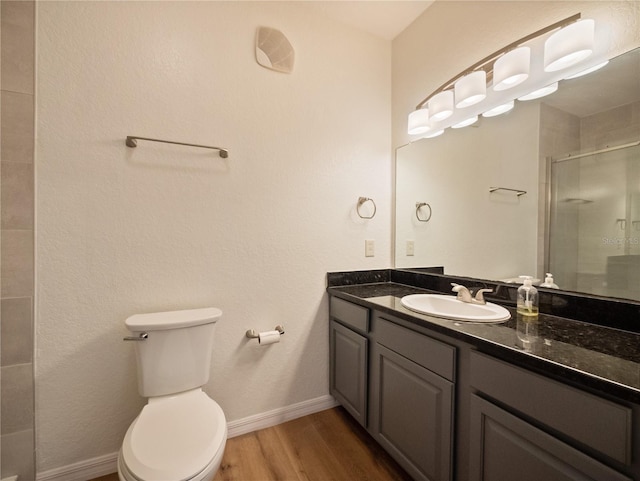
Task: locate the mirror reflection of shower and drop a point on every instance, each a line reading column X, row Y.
column 594, row 231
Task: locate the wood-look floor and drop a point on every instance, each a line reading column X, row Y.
column 325, row 446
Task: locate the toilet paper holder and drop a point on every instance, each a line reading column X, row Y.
column 253, row 334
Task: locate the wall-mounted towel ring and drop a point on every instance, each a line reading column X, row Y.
column 361, row 201
column 420, row 205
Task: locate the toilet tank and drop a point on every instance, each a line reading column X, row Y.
column 176, row 354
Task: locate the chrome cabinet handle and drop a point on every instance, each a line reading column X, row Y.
column 142, row 337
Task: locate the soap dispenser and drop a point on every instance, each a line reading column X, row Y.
column 548, row 282
column 527, row 316
column 527, row 301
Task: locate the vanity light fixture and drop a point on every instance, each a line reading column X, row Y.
column 433, row 133
column 499, row 110
column 419, row 122
column 539, row 93
column 471, row 89
column 588, row 70
column 465, row 123
column 569, row 45
column 512, row 68
column 525, row 69
column 441, row 105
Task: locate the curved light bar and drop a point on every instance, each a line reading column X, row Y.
column 517, row 71
column 511, row 69
column 569, row 45
column 441, row 105
column 536, row 94
column 418, row 122
column 471, row 89
column 500, row 109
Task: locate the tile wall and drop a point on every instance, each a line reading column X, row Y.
column 16, row 239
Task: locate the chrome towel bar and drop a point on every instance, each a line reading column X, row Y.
column 518, row 192
column 132, row 141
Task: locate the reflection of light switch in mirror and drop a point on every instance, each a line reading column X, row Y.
column 369, row 248
column 410, row 247
column 273, row 50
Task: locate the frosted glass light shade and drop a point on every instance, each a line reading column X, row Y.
column 433, row 134
column 587, row 70
column 465, row 123
column 511, row 69
column 569, row 45
column 536, row 94
column 471, row 89
column 441, row 105
column 418, row 122
column 500, row 109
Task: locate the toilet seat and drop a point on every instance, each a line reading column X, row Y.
column 175, row 437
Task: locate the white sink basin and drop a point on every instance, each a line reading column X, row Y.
column 449, row 307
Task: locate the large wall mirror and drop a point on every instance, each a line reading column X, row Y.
column 552, row 186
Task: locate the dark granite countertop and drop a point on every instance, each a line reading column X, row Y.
column 601, row 358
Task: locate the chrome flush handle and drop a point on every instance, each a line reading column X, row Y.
column 142, row 337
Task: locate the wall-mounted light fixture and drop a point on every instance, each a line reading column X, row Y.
column 526, row 69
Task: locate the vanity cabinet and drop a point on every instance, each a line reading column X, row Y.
column 411, row 401
column 446, row 411
column 527, row 427
column 349, row 351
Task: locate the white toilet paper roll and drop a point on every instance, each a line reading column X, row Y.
column 268, row 337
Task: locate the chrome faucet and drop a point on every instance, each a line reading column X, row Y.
column 465, row 296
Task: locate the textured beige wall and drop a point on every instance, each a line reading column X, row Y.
column 123, row 231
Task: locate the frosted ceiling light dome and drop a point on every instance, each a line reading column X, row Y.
column 433, row 134
column 441, row 106
column 500, row 109
column 587, row 70
column 465, row 123
column 511, row 69
column 471, row 89
column 536, row 94
column 569, row 45
column 418, row 122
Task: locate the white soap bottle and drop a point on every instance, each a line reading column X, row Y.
column 548, row 282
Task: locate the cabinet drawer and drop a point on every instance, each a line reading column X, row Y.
column 598, row 423
column 352, row 315
column 429, row 353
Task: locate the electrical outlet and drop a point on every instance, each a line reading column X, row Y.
column 369, row 248
column 410, row 248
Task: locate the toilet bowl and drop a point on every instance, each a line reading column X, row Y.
column 175, row 438
column 180, row 434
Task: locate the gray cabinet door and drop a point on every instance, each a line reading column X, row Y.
column 506, row 448
column 413, row 418
column 348, row 375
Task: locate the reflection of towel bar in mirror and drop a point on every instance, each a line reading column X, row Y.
column 518, row 192
column 420, row 205
column 132, row 141
column 361, row 201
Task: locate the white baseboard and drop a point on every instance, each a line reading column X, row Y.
column 280, row 415
column 83, row 470
column 107, row 464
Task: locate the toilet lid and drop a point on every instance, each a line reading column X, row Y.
column 174, row 437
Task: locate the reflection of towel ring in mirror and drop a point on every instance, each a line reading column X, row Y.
column 419, row 205
column 362, row 200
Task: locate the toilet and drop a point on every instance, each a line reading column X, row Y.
column 181, row 432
